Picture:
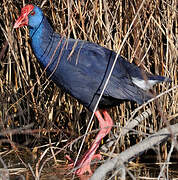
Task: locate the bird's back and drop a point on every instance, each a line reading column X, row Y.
column 81, row 68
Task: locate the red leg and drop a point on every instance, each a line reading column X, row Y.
column 105, row 125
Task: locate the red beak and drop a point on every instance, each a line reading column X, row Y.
column 23, row 18
column 21, row 21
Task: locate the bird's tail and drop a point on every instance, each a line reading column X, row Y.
column 151, row 80
column 159, row 78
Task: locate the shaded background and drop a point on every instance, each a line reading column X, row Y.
column 37, row 118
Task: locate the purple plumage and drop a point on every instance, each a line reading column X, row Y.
column 81, row 69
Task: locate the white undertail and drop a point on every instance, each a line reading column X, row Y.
column 144, row 84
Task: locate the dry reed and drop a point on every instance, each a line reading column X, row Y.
column 49, row 123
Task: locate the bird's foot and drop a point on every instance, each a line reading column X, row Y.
column 84, row 165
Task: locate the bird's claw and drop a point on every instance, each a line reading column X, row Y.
column 83, row 166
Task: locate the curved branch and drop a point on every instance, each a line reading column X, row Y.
column 134, row 151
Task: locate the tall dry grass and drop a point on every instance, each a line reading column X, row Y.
column 38, row 118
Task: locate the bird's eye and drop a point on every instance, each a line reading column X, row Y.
column 32, row 13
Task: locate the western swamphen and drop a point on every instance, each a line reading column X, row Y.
column 81, row 69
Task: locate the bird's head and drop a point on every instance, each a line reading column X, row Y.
column 30, row 16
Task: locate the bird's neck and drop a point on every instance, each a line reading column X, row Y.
column 41, row 37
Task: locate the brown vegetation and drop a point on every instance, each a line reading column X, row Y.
column 40, row 124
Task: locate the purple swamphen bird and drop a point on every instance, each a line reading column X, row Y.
column 81, row 69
